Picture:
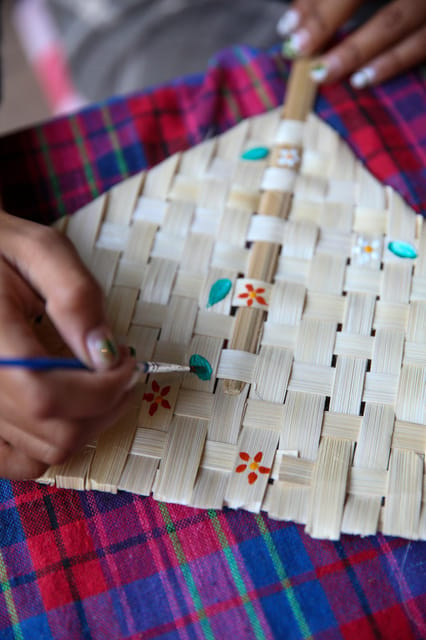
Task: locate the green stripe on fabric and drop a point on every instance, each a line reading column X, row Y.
column 10, row 605
column 122, row 165
column 232, row 104
column 282, row 575
column 87, row 166
column 236, row 574
column 192, row 587
column 258, row 85
column 60, row 205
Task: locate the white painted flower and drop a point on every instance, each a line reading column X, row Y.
column 288, row 158
column 367, row 251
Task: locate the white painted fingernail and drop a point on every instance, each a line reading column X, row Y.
column 319, row 72
column 288, row 22
column 295, row 44
column 362, row 78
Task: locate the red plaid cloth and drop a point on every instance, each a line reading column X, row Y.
column 98, row 566
column 56, row 168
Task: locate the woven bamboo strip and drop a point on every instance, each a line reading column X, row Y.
column 301, row 423
column 274, row 202
column 239, row 492
column 209, row 489
column 227, row 415
column 73, row 473
column 112, row 450
column 361, row 515
column 300, row 92
column 404, row 494
column 328, row 489
column 261, row 414
column 177, row 471
column 138, row 474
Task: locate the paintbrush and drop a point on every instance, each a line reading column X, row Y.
column 47, row 363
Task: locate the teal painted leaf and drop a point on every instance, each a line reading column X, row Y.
column 255, row 153
column 200, row 366
column 219, row 291
column 402, row 249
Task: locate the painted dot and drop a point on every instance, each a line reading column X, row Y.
column 219, row 291
column 402, row 249
column 200, row 366
column 255, row 153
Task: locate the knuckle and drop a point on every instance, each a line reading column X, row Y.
column 393, row 17
column 20, row 467
column 54, row 455
column 353, row 55
column 321, row 21
column 65, row 445
column 81, row 293
column 40, row 400
column 46, row 237
column 32, row 469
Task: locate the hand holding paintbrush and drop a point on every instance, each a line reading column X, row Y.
column 45, row 417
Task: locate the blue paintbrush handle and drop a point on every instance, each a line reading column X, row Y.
column 47, row 363
column 43, row 363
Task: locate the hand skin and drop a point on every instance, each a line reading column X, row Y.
column 391, row 41
column 47, row 416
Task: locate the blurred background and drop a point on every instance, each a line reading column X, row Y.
column 58, row 55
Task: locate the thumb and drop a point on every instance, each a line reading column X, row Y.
column 74, row 301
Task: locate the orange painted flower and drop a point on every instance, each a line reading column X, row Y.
column 157, row 398
column 252, row 465
column 253, row 294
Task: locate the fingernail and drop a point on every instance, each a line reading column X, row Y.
column 288, row 21
column 295, row 44
column 319, row 72
column 362, row 78
column 102, row 348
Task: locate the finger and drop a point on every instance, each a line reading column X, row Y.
column 384, row 30
column 292, row 18
column 16, row 293
column 62, row 394
column 15, row 465
column 54, row 393
column 55, row 441
column 318, row 22
column 405, row 55
column 74, row 301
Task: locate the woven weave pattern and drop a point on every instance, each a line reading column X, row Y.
column 321, row 419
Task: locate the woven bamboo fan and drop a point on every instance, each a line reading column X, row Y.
column 273, row 253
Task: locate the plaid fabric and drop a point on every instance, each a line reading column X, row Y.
column 57, row 167
column 98, row 566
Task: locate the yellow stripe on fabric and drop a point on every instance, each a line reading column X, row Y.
column 183, row 564
column 282, row 575
column 236, row 574
column 10, row 605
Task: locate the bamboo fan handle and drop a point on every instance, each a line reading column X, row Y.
column 264, row 255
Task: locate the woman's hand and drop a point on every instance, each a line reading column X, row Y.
column 47, row 416
column 391, row 41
